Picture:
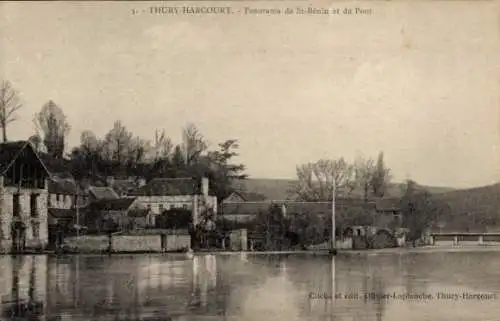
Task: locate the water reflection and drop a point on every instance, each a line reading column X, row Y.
column 250, row 287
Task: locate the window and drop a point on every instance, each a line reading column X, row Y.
column 15, row 206
column 33, row 205
column 185, row 206
column 148, row 206
column 160, row 208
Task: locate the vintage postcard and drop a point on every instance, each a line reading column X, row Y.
column 250, row 160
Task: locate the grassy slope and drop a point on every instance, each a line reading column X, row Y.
column 481, row 200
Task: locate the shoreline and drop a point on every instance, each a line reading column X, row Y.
column 340, row 252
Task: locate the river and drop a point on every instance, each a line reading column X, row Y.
column 366, row 286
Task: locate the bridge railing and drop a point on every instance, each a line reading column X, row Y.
column 460, row 237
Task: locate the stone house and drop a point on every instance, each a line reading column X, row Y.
column 65, row 193
column 122, row 213
column 161, row 194
column 23, row 196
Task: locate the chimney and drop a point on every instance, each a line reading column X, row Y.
column 204, row 186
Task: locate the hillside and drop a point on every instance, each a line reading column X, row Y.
column 277, row 189
column 483, row 202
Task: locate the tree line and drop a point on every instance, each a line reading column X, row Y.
column 364, row 176
column 121, row 153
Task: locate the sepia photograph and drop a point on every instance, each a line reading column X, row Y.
column 250, row 160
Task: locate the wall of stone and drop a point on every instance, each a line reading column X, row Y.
column 136, row 243
column 61, row 201
column 43, row 217
column 129, row 243
column 6, row 214
column 177, row 242
column 6, row 209
column 238, row 240
column 88, row 242
column 173, row 202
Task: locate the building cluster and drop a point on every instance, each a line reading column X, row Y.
column 38, row 197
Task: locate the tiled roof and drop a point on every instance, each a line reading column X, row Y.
column 103, row 193
column 291, row 207
column 168, row 186
column 120, row 204
column 250, row 196
column 57, row 167
column 9, row 151
column 247, row 208
column 62, row 213
column 138, row 213
column 62, row 186
column 388, row 204
column 124, row 186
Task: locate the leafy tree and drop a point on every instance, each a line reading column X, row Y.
column 274, row 225
column 420, row 210
column 380, row 177
column 222, row 171
column 178, row 162
column 174, row 219
column 9, row 104
column 52, row 122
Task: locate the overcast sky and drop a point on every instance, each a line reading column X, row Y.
column 418, row 81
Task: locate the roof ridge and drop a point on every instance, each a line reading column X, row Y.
column 173, row 178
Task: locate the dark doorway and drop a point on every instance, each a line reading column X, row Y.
column 18, row 231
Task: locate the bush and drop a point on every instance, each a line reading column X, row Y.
column 174, row 219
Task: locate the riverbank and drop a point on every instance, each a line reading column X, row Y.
column 340, row 252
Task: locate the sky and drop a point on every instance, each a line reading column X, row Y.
column 416, row 80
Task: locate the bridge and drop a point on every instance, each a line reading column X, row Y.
column 468, row 237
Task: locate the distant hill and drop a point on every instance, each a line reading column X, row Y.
column 473, row 208
column 481, row 202
column 277, row 189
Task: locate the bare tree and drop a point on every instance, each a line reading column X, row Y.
column 89, row 141
column 138, row 150
column 9, row 104
column 117, row 143
column 52, row 122
column 315, row 179
column 193, row 144
column 36, row 141
column 163, row 145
